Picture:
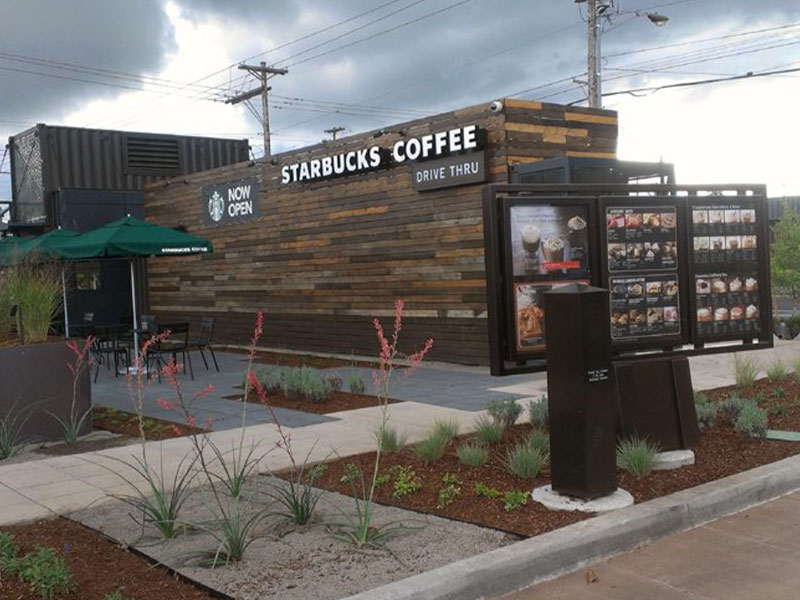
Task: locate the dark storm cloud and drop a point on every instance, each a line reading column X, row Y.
column 111, row 34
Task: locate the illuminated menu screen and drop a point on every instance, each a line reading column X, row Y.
column 644, row 306
column 726, row 278
column 641, row 238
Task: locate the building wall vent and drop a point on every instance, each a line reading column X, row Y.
column 152, row 155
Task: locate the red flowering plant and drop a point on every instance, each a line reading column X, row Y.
column 73, row 423
column 360, row 530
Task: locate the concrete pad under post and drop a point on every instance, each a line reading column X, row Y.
column 555, row 501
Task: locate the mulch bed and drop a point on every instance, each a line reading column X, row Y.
column 783, row 407
column 98, row 566
column 720, row 452
column 127, row 423
column 337, row 401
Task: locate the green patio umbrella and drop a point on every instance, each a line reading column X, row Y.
column 131, row 238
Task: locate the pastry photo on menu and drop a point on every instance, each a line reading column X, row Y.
column 718, row 286
column 633, row 220
column 655, row 316
column 732, row 217
column 668, row 220
column 733, row 242
column 635, row 251
column 703, row 286
column 670, row 314
column 651, row 219
column 670, row 288
column 700, row 217
column 615, row 219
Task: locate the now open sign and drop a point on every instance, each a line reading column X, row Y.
column 231, row 202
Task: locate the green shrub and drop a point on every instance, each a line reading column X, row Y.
column 488, row 431
column 356, row 384
column 706, row 414
column 316, row 472
column 432, row 447
column 637, row 456
column 776, row 371
column 334, row 383
column 405, row 481
column 389, row 440
column 745, row 369
column 752, row 421
column 778, row 393
column 446, row 429
column 731, row 407
column 46, row 573
column 514, row 500
column 539, row 412
column 504, row 411
column 472, row 455
column 450, row 491
column 352, row 473
column 9, row 553
column 796, row 367
column 483, row 490
column 524, row 461
column 539, row 440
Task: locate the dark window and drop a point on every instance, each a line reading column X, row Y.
column 152, row 155
column 87, row 276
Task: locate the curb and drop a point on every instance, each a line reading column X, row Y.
column 549, row 555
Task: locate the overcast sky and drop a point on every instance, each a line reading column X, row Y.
column 167, row 67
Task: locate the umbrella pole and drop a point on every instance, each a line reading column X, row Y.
column 66, row 310
column 135, row 320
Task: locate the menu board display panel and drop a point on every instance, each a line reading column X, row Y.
column 529, row 310
column 550, row 241
column 644, row 305
column 726, row 237
column 641, row 238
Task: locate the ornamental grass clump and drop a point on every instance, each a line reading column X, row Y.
column 355, row 384
column 504, row 411
column 472, row 455
column 539, row 412
column 539, row 440
column 389, row 440
column 432, row 447
column 36, row 287
column 745, row 370
column 637, row 456
column 445, row 429
column 488, row 431
column 776, row 371
column 751, row 422
column 525, row 461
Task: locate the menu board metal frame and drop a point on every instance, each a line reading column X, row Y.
column 761, row 265
column 543, row 280
column 498, row 199
column 632, row 204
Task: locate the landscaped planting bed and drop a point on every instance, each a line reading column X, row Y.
column 125, row 423
column 95, row 566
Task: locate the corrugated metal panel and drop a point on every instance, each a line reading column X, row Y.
column 95, row 159
column 775, row 206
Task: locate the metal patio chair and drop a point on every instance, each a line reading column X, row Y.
column 176, row 343
column 203, row 341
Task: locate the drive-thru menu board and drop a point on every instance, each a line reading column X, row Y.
column 685, row 266
column 726, row 269
column 549, row 246
column 641, row 269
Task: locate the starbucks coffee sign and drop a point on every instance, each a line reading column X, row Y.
column 458, row 142
column 230, row 202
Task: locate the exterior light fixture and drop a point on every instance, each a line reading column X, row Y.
column 657, row 19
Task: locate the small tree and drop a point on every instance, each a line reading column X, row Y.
column 785, row 252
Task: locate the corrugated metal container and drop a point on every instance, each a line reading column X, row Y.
column 46, row 158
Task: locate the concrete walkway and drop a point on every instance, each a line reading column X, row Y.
column 63, row 484
column 750, row 555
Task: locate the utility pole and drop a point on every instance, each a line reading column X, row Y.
column 593, row 68
column 333, row 131
column 262, row 73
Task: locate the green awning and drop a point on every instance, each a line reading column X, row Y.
column 131, row 237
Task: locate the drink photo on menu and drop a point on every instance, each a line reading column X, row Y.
column 550, row 242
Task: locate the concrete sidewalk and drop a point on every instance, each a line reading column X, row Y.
column 750, row 555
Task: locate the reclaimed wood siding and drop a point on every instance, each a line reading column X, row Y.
column 323, row 259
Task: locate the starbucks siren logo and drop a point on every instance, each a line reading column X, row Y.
column 216, row 207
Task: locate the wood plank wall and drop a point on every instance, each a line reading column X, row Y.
column 323, row 259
